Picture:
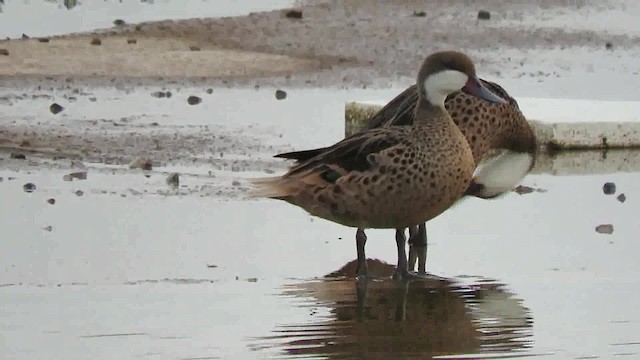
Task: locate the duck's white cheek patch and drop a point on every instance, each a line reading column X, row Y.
column 439, row 85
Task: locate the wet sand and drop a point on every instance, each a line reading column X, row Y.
column 345, row 43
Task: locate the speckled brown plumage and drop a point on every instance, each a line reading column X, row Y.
column 388, row 177
column 486, row 126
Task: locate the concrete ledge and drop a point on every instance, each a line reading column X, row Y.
column 588, row 124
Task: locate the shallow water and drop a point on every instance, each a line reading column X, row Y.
column 189, row 277
column 132, row 268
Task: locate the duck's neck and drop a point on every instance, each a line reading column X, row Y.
column 431, row 105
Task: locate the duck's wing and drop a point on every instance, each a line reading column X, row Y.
column 354, row 153
column 301, row 156
column 398, row 112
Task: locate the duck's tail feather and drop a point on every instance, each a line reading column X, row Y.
column 285, row 187
column 274, row 187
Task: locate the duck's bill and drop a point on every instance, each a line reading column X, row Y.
column 474, row 87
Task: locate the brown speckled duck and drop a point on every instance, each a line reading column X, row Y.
column 485, row 125
column 397, row 176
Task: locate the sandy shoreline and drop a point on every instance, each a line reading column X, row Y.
column 347, row 43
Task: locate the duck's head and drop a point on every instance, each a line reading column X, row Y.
column 446, row 72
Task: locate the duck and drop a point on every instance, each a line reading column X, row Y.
column 391, row 177
column 485, row 125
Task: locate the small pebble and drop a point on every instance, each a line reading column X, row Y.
column 158, row 94
column 484, row 15
column 293, row 14
column 194, row 48
column 51, row 201
column 43, row 40
column 19, row 156
column 212, row 266
column 604, row 229
column 281, row 94
column 119, row 22
column 79, row 193
column 29, row 187
column 132, row 41
column 48, row 228
column 209, row 91
column 4, row 52
column 67, row 178
column 609, row 188
column 622, row 198
column 193, row 100
column 96, row 41
column 55, row 108
column 419, row 14
column 235, row 183
column 608, row 46
column 141, row 163
column 173, row 179
column 521, row 189
column 80, row 175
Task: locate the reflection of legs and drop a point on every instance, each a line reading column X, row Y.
column 361, row 241
column 361, row 296
column 418, row 247
column 401, row 300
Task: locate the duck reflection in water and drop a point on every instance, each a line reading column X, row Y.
column 388, row 319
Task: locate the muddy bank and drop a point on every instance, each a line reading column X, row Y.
column 355, row 43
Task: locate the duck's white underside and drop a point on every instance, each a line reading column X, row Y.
column 503, row 173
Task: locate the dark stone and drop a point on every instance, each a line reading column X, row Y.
column 194, row 48
column 51, row 201
column 119, row 22
column 55, row 108
column 19, row 156
column 604, row 229
column 173, row 180
column 4, row 52
column 80, row 175
column 419, row 14
column 293, row 14
column 25, row 37
column 43, row 40
column 79, row 193
column 484, row 15
column 608, row 46
column 158, row 94
column 96, row 41
column 209, row 91
column 609, row 188
column 281, row 94
column 132, row 41
column 193, row 100
column 622, row 198
column 29, row 187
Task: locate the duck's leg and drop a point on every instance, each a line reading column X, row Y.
column 361, row 241
column 418, row 247
column 401, row 268
column 402, row 272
